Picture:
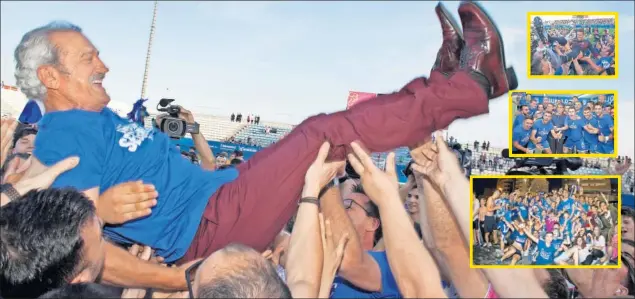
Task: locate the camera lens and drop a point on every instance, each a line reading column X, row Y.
column 173, row 127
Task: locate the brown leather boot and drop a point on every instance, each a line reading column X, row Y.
column 448, row 56
column 484, row 52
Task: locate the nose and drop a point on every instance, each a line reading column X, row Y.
column 101, row 66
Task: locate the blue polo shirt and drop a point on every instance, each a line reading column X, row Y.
column 389, row 289
column 113, row 150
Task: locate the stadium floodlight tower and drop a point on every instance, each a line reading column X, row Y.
column 147, row 67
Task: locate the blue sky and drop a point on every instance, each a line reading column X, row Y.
column 289, row 60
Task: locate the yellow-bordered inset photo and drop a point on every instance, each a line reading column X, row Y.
column 545, row 221
column 572, row 45
column 562, row 123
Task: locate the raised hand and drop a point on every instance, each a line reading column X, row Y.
column 379, row 185
column 436, row 161
column 126, row 201
column 333, row 254
column 143, row 253
column 45, row 178
column 321, row 172
column 7, row 128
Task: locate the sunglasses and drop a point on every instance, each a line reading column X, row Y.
column 190, row 273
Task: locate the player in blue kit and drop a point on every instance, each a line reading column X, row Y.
column 521, row 137
column 515, row 250
column 590, row 133
column 546, row 249
column 524, row 113
column 540, row 133
column 605, row 126
column 558, row 120
column 574, row 125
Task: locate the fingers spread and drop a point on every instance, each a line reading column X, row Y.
column 324, row 152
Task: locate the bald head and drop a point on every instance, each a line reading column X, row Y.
column 238, row 271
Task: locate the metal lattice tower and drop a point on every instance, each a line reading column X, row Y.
column 145, row 72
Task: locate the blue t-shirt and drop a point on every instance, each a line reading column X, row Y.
column 113, row 150
column 521, row 135
column 589, row 138
column 605, row 124
column 543, row 130
column 518, row 121
column 522, row 209
column 545, row 254
column 389, row 289
column 604, row 62
column 575, row 128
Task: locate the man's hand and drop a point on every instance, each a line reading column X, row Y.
column 321, row 172
column 45, row 178
column 126, row 201
column 379, row 185
column 333, row 254
column 436, row 161
column 144, row 253
column 7, row 128
column 186, row 115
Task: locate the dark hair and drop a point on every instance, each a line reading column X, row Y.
column 258, row 280
column 84, row 290
column 40, row 241
column 235, row 161
column 238, row 153
column 23, row 130
column 373, row 211
column 628, row 260
column 628, row 212
column 556, row 286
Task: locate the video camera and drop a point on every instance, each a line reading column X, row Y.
column 171, row 124
column 542, row 166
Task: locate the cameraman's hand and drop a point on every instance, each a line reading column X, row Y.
column 186, row 115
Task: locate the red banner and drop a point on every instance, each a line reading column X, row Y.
column 356, row 97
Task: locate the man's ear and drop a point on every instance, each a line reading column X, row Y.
column 49, row 76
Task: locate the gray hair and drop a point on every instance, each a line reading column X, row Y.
column 34, row 50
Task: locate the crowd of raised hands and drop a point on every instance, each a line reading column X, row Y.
column 314, row 253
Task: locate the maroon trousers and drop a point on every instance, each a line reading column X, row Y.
column 254, row 208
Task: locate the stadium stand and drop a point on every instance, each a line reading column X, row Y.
column 221, row 129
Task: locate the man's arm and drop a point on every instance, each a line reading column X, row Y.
column 125, row 270
column 450, row 244
column 358, row 267
column 205, row 151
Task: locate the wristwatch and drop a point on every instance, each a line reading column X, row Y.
column 9, row 191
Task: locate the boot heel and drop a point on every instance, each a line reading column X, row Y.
column 512, row 80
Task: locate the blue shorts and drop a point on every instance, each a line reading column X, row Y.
column 543, row 143
column 605, row 148
column 578, row 145
column 593, row 148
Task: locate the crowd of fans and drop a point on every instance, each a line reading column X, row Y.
column 556, row 128
column 561, row 227
column 574, row 47
column 75, row 219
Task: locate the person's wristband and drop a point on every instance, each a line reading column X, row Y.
column 9, row 191
column 312, row 200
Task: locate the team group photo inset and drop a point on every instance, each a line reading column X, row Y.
column 563, row 123
column 545, row 222
column 572, row 45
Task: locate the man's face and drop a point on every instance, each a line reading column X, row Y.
column 628, row 228
column 587, row 114
column 549, row 107
column 363, row 223
column 546, row 67
column 412, row 202
column 601, row 99
column 580, row 35
column 607, row 110
column 541, row 107
column 546, row 117
column 598, row 110
column 571, row 112
column 549, row 237
column 79, row 76
column 577, row 105
column 612, row 112
column 533, row 104
column 25, row 144
column 527, row 124
column 525, row 110
column 560, row 108
column 94, row 252
column 220, row 160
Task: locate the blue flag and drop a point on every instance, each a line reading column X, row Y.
column 31, row 113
